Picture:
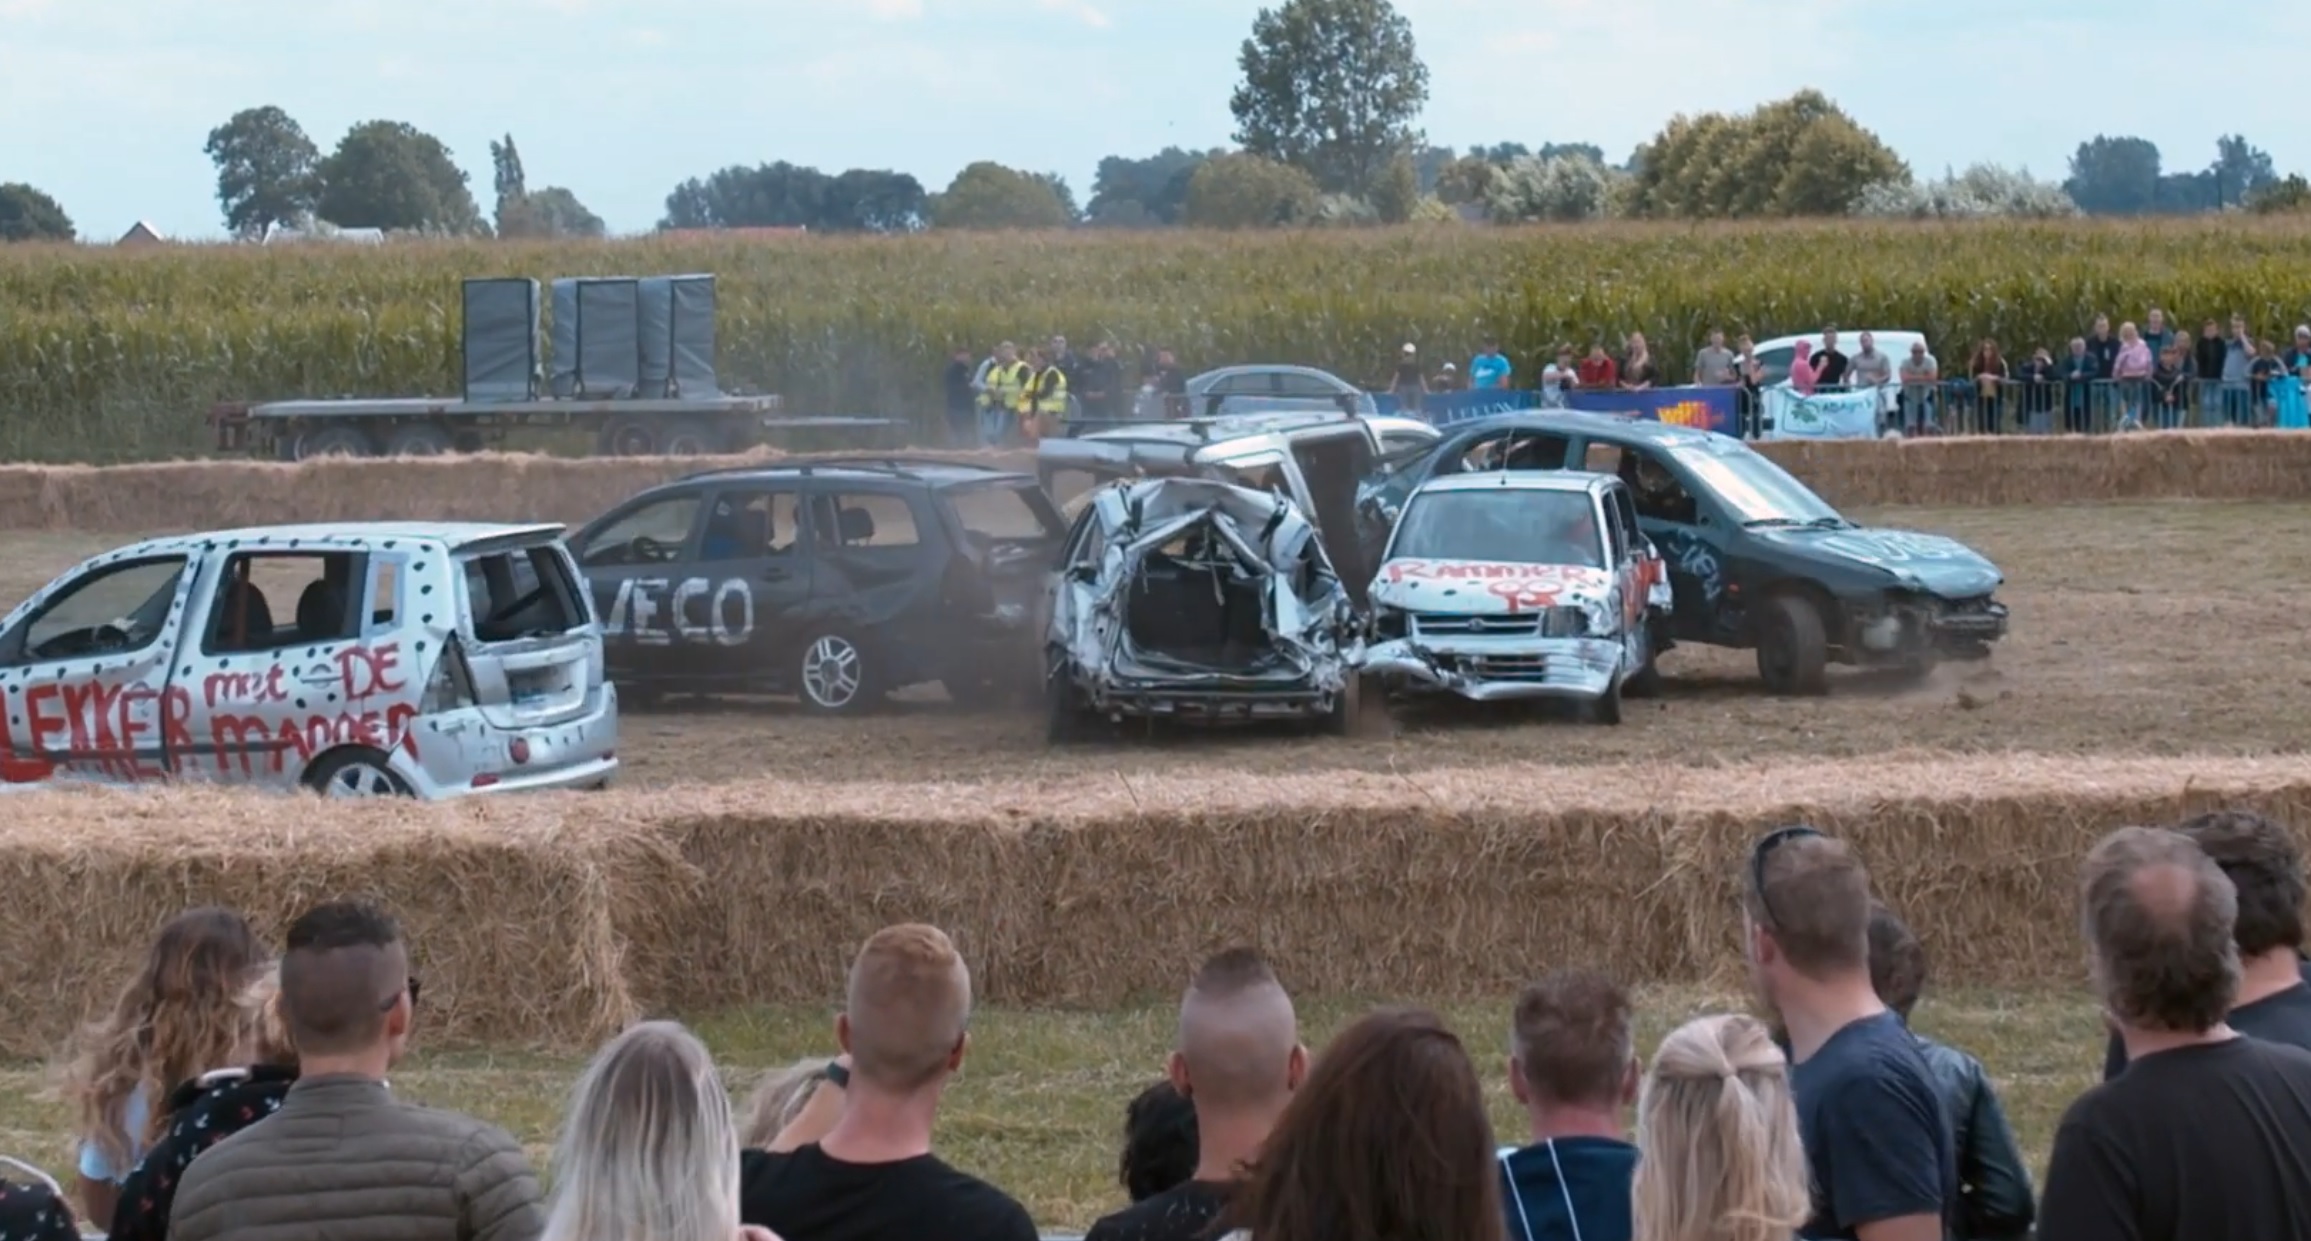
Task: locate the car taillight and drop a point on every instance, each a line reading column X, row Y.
column 450, row 687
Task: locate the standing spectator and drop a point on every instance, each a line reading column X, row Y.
column 343, row 1157
column 1804, row 372
column 2171, row 383
column 1829, row 364
column 1489, row 370
column 207, row 1110
column 1058, row 353
column 1043, row 406
column 1994, row 1185
column 2103, row 346
column 648, row 1150
column 2207, row 358
column 1987, row 368
column 2298, row 358
column 1102, row 376
column 1558, row 379
column 1598, row 370
column 2080, row 373
column 2238, row 359
column 182, row 1014
column 2156, row 333
column 1002, row 389
column 1876, row 1134
column 1721, row 1158
column 1870, row 369
column 2207, row 1135
column 1447, row 380
column 962, row 401
column 1159, row 1142
column 1387, row 1139
column 2037, row 378
column 1637, row 370
column 1172, row 383
column 2260, row 373
column 1713, row 363
column 1751, row 374
column 1238, row 1060
column 1921, row 376
column 872, row 1176
column 2265, row 868
column 2133, row 371
column 1410, row 385
column 1573, row 1069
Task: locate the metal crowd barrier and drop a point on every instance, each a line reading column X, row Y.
column 2062, row 406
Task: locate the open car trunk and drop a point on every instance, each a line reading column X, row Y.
column 1211, row 590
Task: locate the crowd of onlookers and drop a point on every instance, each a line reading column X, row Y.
column 1010, row 397
column 233, row 1094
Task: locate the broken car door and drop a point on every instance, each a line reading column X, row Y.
column 85, row 670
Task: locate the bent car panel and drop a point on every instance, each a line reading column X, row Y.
column 1501, row 668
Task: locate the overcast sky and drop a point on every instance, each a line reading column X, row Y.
column 106, row 103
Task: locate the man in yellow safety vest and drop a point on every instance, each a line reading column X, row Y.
column 1043, row 406
column 1002, row 387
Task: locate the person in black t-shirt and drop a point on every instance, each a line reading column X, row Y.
column 871, row 1176
column 1159, row 1142
column 2264, row 866
column 2207, row 1135
column 1238, row 1060
column 1876, row 1132
column 1829, row 362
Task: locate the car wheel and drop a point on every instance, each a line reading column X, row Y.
column 356, row 772
column 1792, row 648
column 419, row 439
column 834, row 675
column 1646, row 681
column 690, row 437
column 337, row 441
column 1605, row 708
column 1347, row 705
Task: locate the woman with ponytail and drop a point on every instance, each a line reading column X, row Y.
column 1718, row 1156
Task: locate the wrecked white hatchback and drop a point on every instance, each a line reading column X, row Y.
column 1520, row 585
column 1193, row 598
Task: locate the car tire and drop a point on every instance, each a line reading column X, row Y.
column 1347, row 708
column 1792, row 647
column 1064, row 719
column 1605, row 708
column 1646, row 681
column 355, row 772
column 341, row 441
column 835, row 674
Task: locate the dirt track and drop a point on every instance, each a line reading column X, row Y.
column 2154, row 629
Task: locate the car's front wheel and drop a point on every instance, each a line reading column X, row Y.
column 1792, row 646
column 357, row 771
column 835, row 674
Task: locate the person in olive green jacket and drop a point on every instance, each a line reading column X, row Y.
column 343, row 1158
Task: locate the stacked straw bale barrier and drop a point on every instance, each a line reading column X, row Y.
column 1958, row 471
column 551, row 920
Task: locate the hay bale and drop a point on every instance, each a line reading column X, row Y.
column 551, row 920
column 508, row 909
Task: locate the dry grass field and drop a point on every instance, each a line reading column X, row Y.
column 2169, row 629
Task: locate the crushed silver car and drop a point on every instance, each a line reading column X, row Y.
column 1520, row 585
column 1194, row 598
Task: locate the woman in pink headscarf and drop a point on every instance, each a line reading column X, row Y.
column 1802, row 372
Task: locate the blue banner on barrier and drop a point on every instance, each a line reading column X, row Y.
column 1713, row 409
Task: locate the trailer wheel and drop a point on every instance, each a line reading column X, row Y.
column 419, row 439
column 339, row 441
column 629, row 436
column 691, row 437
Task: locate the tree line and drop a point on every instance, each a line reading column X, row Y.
column 1326, row 107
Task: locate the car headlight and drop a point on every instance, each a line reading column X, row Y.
column 1387, row 624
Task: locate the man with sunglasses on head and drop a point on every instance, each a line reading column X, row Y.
column 343, row 1157
column 1875, row 1130
column 868, row 1174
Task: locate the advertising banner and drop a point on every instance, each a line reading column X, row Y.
column 1709, row 408
column 1822, row 416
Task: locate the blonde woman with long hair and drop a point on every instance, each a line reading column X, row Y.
column 1718, row 1155
column 183, row 1014
column 649, row 1151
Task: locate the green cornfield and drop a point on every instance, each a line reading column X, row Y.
column 113, row 356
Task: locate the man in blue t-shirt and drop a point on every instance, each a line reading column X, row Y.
column 1876, row 1133
column 1574, row 1070
column 1489, row 368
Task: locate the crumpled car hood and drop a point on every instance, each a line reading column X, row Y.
column 1485, row 587
column 1940, row 565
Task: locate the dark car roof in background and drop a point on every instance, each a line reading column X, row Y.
column 933, row 471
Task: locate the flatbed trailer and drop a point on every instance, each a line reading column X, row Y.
column 430, row 426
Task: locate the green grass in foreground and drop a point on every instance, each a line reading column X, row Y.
column 1039, row 1105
